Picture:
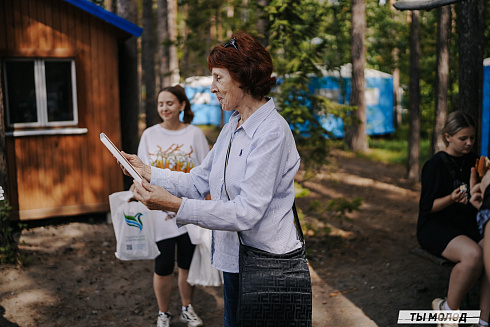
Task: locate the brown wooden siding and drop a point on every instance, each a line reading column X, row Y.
column 59, row 175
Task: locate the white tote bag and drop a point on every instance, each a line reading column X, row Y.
column 201, row 272
column 134, row 228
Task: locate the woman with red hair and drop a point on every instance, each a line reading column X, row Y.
column 249, row 174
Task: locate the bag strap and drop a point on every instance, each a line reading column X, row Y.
column 297, row 224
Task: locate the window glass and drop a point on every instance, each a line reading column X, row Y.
column 21, row 92
column 58, row 91
column 40, row 92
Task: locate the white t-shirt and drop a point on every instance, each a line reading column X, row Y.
column 179, row 150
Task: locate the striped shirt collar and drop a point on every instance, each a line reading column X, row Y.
column 254, row 121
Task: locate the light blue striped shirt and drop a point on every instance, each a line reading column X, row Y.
column 260, row 182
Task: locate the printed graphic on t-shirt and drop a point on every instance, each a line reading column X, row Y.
column 173, row 158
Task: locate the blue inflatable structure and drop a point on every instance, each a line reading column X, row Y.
column 205, row 105
column 379, row 100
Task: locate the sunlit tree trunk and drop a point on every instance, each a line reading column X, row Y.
column 3, row 149
column 397, row 105
column 263, row 22
column 356, row 135
column 148, row 63
column 470, row 31
column 414, row 89
column 339, row 50
column 440, row 113
column 162, row 37
column 172, row 31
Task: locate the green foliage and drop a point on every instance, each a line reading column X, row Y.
column 341, row 206
column 9, row 251
column 294, row 26
column 300, row 191
column 315, row 206
column 201, row 17
column 99, row 2
column 335, row 32
column 394, row 150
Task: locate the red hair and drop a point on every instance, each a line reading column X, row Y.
column 250, row 64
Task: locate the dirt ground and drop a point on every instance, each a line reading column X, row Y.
column 363, row 265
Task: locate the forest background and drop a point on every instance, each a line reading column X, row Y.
column 421, row 49
column 424, row 50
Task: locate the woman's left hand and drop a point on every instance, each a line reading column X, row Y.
column 155, row 197
column 476, row 196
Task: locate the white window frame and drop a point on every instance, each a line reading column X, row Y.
column 41, row 98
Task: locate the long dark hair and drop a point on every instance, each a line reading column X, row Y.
column 179, row 93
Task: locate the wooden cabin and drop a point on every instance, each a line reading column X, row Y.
column 60, row 91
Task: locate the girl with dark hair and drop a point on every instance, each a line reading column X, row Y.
column 447, row 220
column 249, row 174
column 177, row 146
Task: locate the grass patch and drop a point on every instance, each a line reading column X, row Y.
column 393, row 149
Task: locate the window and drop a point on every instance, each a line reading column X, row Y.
column 40, row 92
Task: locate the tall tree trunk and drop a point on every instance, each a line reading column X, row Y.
column 172, row 31
column 263, row 22
column 414, row 120
column 471, row 25
column 356, row 137
column 397, row 103
column 397, row 97
column 440, row 113
column 128, row 84
column 148, row 63
column 3, row 147
column 163, row 50
column 339, row 50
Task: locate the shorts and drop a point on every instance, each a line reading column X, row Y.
column 165, row 262
column 481, row 219
column 435, row 235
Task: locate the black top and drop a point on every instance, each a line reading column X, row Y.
column 438, row 181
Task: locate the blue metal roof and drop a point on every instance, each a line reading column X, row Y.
column 107, row 16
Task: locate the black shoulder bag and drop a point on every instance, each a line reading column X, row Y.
column 274, row 289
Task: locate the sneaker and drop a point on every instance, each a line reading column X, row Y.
column 190, row 317
column 439, row 305
column 164, row 320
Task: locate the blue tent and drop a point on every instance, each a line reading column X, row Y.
column 485, row 122
column 205, row 105
column 379, row 99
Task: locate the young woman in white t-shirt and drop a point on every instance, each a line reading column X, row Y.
column 176, row 145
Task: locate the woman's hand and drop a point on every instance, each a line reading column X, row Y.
column 459, row 196
column 476, row 196
column 155, row 197
column 485, row 182
column 139, row 166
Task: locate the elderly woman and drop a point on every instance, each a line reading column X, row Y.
column 249, row 172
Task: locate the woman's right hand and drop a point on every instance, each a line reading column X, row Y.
column 139, row 166
column 459, row 196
